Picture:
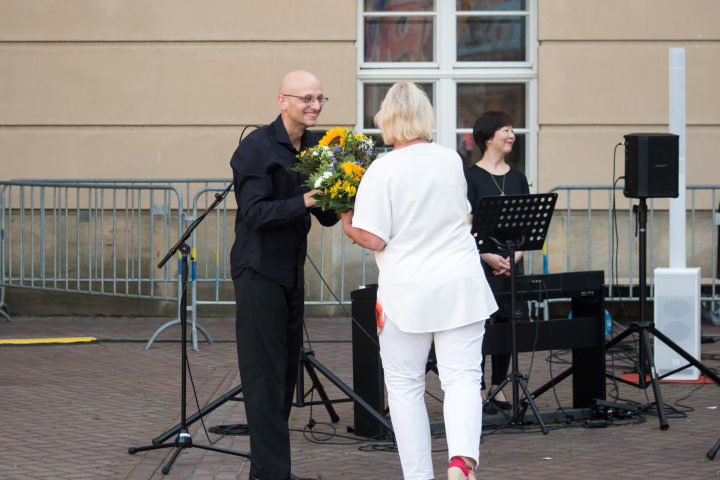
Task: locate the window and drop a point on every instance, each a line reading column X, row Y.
column 469, row 56
column 373, row 93
column 399, row 31
column 491, row 31
column 475, row 98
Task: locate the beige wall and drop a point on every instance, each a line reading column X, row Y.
column 163, row 88
column 177, row 20
column 603, row 73
column 147, row 89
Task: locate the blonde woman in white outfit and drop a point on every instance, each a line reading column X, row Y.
column 412, row 210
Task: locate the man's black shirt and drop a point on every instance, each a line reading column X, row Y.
column 272, row 223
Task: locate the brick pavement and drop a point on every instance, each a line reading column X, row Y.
column 72, row 411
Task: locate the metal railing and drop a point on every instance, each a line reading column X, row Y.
column 90, row 238
column 328, row 280
column 186, row 187
column 578, row 237
column 104, row 237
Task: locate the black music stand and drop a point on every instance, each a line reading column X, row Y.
column 183, row 439
column 508, row 223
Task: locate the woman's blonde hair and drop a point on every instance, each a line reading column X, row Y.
column 405, row 114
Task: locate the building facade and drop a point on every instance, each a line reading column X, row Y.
column 126, row 89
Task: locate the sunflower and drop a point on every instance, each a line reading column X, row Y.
column 333, row 137
column 336, row 167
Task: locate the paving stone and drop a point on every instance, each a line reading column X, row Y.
column 71, row 411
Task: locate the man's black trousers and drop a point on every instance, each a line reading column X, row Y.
column 268, row 328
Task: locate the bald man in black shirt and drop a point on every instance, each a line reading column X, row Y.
column 267, row 262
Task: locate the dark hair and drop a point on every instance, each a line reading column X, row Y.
column 487, row 124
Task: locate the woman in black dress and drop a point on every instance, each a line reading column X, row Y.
column 492, row 176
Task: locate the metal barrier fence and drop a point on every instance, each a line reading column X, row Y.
column 90, row 238
column 603, row 236
column 186, row 187
column 335, row 266
column 105, row 237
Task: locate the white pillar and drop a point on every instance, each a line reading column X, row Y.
column 677, row 127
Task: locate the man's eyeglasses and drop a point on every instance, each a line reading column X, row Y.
column 310, row 100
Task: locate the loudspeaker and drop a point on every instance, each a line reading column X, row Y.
column 677, row 315
column 651, row 165
column 368, row 378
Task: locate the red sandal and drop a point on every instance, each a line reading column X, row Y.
column 459, row 470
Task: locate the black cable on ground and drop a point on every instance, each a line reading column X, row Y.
column 233, row 429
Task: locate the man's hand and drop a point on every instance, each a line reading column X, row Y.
column 309, row 200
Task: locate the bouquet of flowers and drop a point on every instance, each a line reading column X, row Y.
column 336, row 167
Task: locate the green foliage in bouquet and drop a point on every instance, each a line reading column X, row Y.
column 336, row 167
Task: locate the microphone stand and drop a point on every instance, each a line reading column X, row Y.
column 183, row 439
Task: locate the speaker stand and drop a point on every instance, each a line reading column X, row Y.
column 646, row 363
column 310, row 363
column 711, row 453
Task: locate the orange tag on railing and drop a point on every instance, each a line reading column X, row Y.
column 379, row 318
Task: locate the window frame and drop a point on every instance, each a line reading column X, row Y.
column 446, row 73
